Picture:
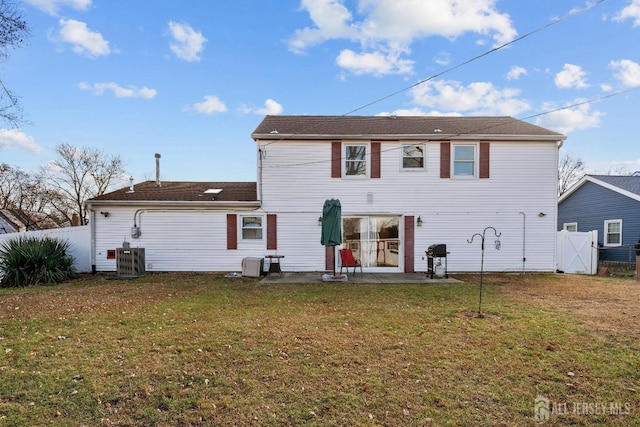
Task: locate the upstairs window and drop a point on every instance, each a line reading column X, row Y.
column 251, row 227
column 355, row 163
column 413, row 157
column 464, row 161
column 613, row 232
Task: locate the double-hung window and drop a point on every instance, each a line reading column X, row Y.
column 251, row 227
column 355, row 160
column 613, row 232
column 413, row 157
column 464, row 161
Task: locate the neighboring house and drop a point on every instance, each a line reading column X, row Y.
column 609, row 204
column 16, row 220
column 404, row 184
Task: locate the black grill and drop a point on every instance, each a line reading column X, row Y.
column 437, row 251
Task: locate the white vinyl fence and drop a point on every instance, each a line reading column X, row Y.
column 78, row 237
column 577, row 252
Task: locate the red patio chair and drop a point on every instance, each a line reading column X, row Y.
column 347, row 260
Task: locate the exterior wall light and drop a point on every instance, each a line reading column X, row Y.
column 419, row 222
column 320, row 220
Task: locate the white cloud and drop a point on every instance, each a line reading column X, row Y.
column 627, row 71
column 52, row 6
column 516, row 72
column 417, row 112
column 570, row 119
column 478, row 98
column 119, row 91
column 376, row 63
column 187, row 43
column 443, row 58
column 84, row 41
column 332, row 21
column 606, row 87
column 630, row 12
column 271, row 108
column 571, row 76
column 15, row 139
column 390, row 26
column 211, row 104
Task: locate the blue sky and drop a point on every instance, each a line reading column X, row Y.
column 191, row 79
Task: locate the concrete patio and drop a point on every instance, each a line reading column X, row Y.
column 317, row 277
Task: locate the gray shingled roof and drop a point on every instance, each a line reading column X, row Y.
column 276, row 127
column 627, row 183
column 179, row 191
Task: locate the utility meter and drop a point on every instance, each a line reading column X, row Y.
column 135, row 232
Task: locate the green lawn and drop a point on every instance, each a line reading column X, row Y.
column 198, row 349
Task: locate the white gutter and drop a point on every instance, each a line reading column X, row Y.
column 160, row 204
column 422, row 137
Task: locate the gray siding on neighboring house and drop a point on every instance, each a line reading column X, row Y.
column 591, row 205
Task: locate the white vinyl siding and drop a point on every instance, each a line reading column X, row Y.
column 451, row 210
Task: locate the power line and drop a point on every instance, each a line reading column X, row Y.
column 449, row 136
column 482, row 55
column 455, row 67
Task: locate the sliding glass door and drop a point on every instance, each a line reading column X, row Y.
column 374, row 240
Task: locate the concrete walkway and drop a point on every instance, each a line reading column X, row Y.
column 317, row 277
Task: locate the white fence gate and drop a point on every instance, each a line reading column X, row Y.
column 577, row 252
column 78, row 237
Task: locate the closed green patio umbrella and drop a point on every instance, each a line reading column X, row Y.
column 331, row 225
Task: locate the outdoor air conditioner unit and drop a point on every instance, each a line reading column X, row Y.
column 130, row 261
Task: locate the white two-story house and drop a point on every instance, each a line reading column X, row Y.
column 404, row 183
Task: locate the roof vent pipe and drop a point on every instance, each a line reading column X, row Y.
column 158, row 170
column 130, row 185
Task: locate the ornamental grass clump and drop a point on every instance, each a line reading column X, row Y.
column 31, row 261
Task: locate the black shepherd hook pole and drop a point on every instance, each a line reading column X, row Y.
column 482, row 236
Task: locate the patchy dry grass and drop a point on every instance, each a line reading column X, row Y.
column 197, row 350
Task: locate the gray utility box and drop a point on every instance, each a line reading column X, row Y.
column 130, row 261
column 252, row 267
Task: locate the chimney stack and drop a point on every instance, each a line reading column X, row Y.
column 158, row 170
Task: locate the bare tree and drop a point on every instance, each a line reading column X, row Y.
column 78, row 174
column 21, row 190
column 619, row 171
column 570, row 170
column 13, row 33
